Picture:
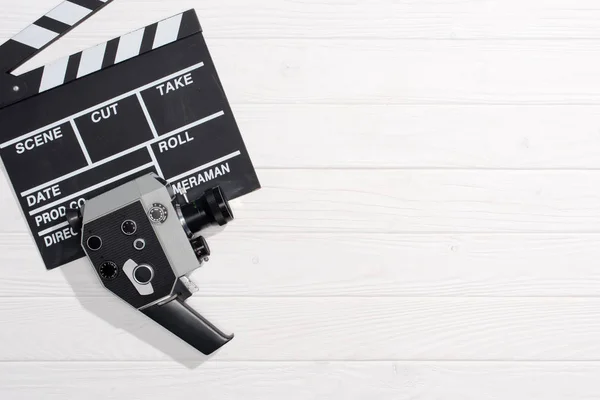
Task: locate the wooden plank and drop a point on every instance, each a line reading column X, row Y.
column 325, row 19
column 400, row 136
column 409, row 72
column 318, row 264
column 295, row 381
column 428, row 201
column 346, row 71
column 406, row 201
column 310, row 329
column 403, row 136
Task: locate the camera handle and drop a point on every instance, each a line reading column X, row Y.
column 187, row 324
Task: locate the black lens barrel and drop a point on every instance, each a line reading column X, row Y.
column 211, row 208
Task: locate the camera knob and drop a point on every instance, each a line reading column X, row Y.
column 158, row 213
column 200, row 248
column 108, row 270
column 75, row 219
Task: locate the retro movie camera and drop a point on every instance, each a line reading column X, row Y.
column 142, row 241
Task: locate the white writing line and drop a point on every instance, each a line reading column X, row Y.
column 52, row 229
column 106, row 103
column 205, row 166
column 155, row 161
column 91, row 188
column 147, row 115
column 123, row 153
column 81, row 144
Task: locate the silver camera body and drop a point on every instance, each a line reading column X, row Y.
column 142, row 241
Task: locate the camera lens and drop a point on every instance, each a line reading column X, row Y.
column 211, row 208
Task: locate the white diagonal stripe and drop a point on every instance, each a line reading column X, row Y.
column 167, row 31
column 81, row 143
column 129, row 45
column 35, row 36
column 54, row 74
column 91, row 60
column 68, row 13
column 52, row 229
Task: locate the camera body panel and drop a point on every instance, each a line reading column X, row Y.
column 142, row 243
column 117, row 250
column 166, row 249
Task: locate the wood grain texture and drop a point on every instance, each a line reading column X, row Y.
column 428, row 227
column 405, row 136
column 355, row 71
column 301, row 381
column 452, row 19
column 349, row 264
column 421, row 137
column 344, row 71
column 309, row 329
column 407, row 201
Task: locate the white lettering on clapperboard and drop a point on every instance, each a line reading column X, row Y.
column 59, row 236
column 43, row 195
column 58, row 213
column 104, row 113
column 174, row 141
column 175, row 84
column 39, row 140
column 202, row 177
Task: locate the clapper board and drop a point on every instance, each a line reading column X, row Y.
column 149, row 101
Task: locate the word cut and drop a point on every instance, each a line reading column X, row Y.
column 174, row 141
column 104, row 113
column 175, row 84
column 39, row 140
column 43, row 195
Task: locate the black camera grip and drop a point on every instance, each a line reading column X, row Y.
column 188, row 324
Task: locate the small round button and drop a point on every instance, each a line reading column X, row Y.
column 129, row 227
column 158, row 213
column 143, row 274
column 94, row 243
column 108, row 270
column 139, row 244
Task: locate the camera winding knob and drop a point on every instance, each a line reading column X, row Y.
column 158, row 213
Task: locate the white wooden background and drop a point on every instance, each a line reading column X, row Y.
column 429, row 226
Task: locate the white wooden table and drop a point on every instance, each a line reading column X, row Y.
column 429, row 226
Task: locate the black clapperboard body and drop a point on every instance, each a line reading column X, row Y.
column 149, row 101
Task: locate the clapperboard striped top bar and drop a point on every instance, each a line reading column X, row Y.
column 46, row 30
column 56, row 22
column 71, row 13
column 115, row 51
